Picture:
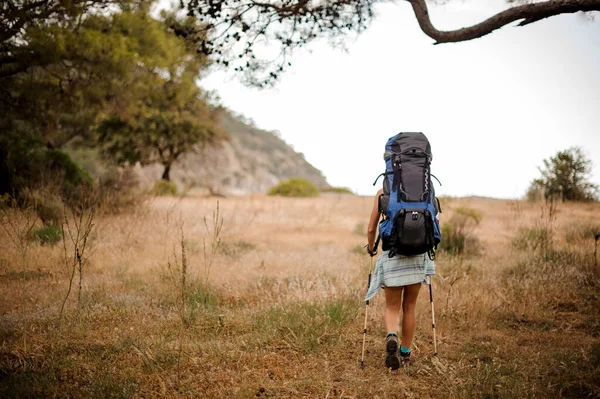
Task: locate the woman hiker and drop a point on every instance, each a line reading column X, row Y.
column 401, row 278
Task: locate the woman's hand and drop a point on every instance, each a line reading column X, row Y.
column 371, row 251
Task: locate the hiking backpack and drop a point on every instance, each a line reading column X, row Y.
column 408, row 204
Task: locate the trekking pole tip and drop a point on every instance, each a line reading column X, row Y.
column 362, row 364
column 435, row 354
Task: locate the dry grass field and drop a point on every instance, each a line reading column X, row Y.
column 276, row 311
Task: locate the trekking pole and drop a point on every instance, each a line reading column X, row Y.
column 432, row 319
column 362, row 359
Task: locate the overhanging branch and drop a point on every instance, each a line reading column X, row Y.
column 527, row 14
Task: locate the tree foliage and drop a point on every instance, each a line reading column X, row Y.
column 236, row 27
column 22, row 20
column 97, row 68
column 565, row 176
column 159, row 134
column 167, row 116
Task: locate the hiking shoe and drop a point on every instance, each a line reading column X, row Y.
column 404, row 359
column 391, row 349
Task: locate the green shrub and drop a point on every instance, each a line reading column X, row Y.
column 48, row 206
column 339, row 190
column 50, row 211
column 75, row 178
column 47, row 235
column 532, row 238
column 164, row 187
column 457, row 233
column 27, row 164
column 295, row 187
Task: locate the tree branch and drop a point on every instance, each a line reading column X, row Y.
column 23, row 15
column 12, row 69
column 527, row 13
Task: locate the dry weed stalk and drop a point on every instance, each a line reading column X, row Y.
column 179, row 273
column 548, row 212
column 182, row 312
column 214, row 233
column 178, row 270
column 18, row 224
column 82, row 218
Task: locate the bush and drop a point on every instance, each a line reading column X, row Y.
column 536, row 191
column 117, row 189
column 457, row 233
column 48, row 206
column 75, row 179
column 295, row 187
column 164, row 187
column 565, row 176
column 47, row 235
column 533, row 238
column 26, row 164
column 339, row 190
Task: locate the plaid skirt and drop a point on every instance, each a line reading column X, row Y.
column 400, row 271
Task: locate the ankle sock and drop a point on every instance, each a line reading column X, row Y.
column 404, row 350
column 391, row 333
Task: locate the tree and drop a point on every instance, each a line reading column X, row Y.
column 18, row 18
column 565, row 176
column 86, row 69
column 160, row 134
column 236, row 26
column 167, row 114
column 119, row 66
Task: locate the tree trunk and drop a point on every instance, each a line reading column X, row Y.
column 166, row 172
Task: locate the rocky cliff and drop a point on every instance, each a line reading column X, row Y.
column 252, row 161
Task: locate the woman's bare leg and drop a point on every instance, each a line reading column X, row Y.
column 393, row 303
column 409, row 302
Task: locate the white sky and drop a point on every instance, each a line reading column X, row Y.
column 492, row 108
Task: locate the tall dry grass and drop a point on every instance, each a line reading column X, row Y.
column 270, row 305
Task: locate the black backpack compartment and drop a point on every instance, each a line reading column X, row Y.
column 413, row 232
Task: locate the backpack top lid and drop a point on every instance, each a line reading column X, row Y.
column 406, row 142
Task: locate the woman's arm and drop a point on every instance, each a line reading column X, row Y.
column 373, row 221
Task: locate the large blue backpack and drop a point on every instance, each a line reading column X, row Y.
column 408, row 205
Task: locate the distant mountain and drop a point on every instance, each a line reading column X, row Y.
column 253, row 161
